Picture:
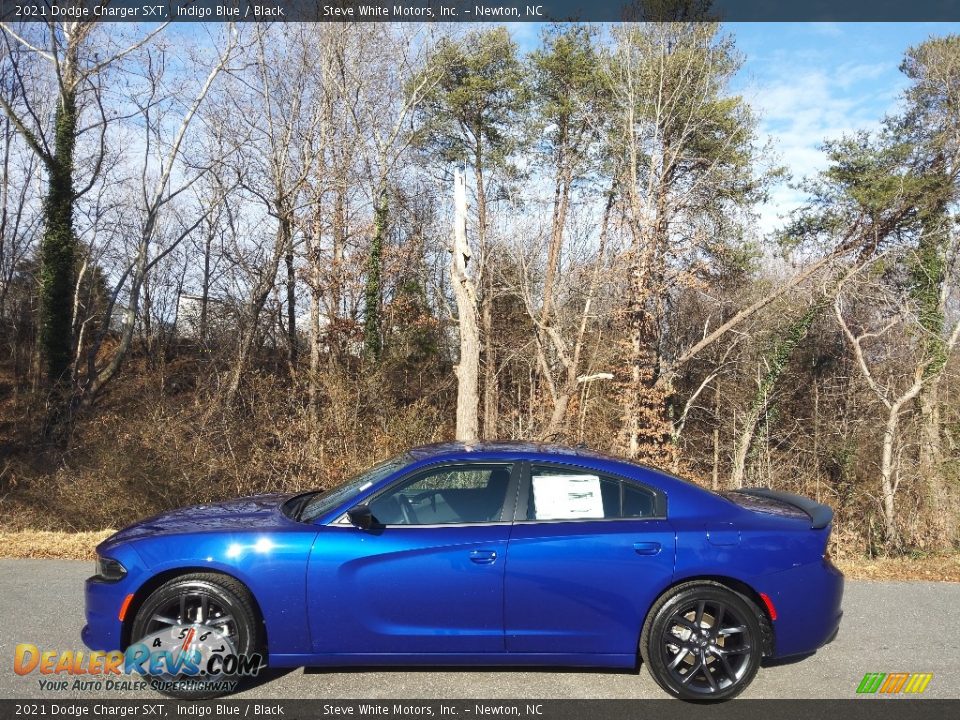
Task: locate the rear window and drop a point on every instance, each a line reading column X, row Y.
column 570, row 494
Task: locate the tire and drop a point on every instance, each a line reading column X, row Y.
column 229, row 596
column 716, row 663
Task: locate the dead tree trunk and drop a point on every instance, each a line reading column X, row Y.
column 465, row 292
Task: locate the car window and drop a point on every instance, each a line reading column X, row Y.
column 327, row 500
column 637, row 502
column 450, row 494
column 569, row 494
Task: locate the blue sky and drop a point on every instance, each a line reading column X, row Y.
column 812, row 81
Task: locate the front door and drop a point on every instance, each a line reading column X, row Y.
column 428, row 578
column 587, row 555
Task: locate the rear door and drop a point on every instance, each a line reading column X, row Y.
column 429, row 577
column 588, row 554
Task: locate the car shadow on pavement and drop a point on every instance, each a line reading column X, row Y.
column 776, row 662
column 467, row 669
column 267, row 675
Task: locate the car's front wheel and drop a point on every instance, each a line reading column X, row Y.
column 702, row 641
column 205, row 614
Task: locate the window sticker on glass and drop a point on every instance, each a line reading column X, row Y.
column 563, row 497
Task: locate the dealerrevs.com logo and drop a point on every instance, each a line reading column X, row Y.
column 894, row 683
column 181, row 658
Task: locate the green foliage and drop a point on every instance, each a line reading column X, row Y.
column 671, row 80
column 58, row 249
column 927, row 276
column 933, row 98
column 568, row 91
column 897, row 183
column 875, row 191
column 373, row 290
column 782, row 349
column 469, row 114
column 930, row 124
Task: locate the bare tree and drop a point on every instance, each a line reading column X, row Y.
column 895, row 391
column 157, row 194
column 465, row 291
column 278, row 115
column 75, row 67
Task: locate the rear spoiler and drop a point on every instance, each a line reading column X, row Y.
column 820, row 515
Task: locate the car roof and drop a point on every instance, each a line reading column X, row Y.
column 495, row 448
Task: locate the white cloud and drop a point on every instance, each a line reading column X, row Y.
column 803, row 104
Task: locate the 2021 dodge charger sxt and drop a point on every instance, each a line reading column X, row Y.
column 486, row 554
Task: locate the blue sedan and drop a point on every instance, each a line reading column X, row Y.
column 486, row 554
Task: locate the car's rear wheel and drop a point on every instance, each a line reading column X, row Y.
column 198, row 601
column 702, row 641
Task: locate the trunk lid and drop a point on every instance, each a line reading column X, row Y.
column 782, row 504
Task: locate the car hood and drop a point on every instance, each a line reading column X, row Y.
column 249, row 513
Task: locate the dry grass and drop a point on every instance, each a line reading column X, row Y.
column 51, row 545
column 79, row 546
column 944, row 568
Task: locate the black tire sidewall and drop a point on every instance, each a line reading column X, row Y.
column 660, row 616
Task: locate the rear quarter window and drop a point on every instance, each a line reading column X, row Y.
column 561, row 493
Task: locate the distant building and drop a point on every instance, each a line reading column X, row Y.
column 190, row 310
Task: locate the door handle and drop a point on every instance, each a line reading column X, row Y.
column 483, row 557
column 646, row 548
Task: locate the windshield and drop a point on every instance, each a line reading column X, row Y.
column 326, row 500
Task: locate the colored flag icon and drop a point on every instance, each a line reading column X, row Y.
column 894, row 683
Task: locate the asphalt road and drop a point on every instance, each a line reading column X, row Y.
column 887, row 627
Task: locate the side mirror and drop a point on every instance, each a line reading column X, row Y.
column 361, row 516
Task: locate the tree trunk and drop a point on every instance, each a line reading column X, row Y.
column 373, row 291
column 742, row 447
column 465, row 292
column 568, row 387
column 248, row 336
column 490, row 390
column 58, row 245
column 249, row 331
column 886, row 473
column 338, row 232
column 715, row 479
column 7, row 136
column 204, row 328
column 561, row 200
column 941, row 512
column 929, row 276
column 776, row 360
column 313, row 382
column 646, row 430
column 286, row 224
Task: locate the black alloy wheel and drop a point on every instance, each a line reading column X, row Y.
column 703, row 642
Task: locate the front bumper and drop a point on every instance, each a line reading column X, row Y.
column 103, row 630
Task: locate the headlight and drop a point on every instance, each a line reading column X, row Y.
column 109, row 569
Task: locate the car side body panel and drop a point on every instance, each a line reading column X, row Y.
column 557, row 593
column 582, row 586
column 408, row 589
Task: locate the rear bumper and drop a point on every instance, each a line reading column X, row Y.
column 808, row 600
